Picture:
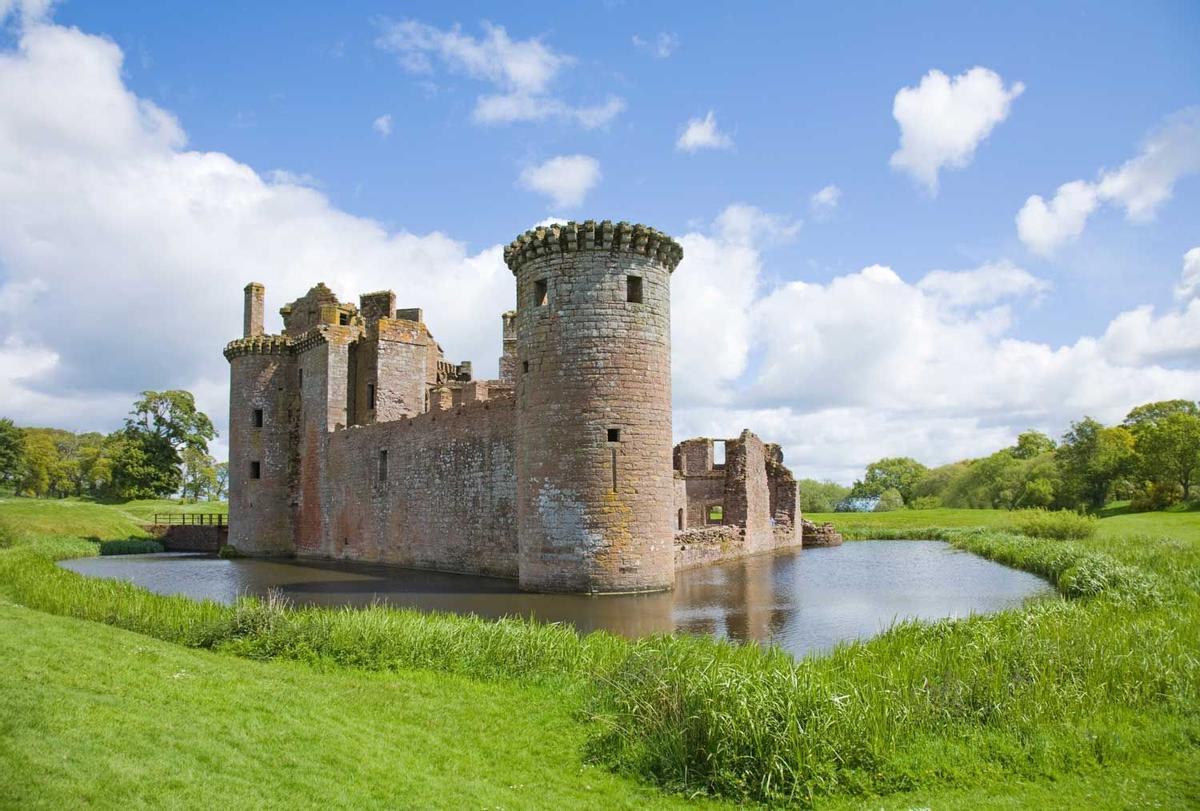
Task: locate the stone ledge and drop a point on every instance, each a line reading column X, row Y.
column 591, row 235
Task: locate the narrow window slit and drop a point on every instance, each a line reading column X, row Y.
column 540, row 293
column 633, row 289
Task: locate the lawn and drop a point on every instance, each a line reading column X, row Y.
column 117, row 697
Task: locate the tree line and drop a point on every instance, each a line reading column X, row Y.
column 1152, row 459
column 161, row 451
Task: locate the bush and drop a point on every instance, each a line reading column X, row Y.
column 925, row 503
column 1061, row 525
column 131, row 546
column 889, row 500
column 1156, row 496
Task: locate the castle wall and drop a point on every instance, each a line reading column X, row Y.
column 447, row 500
column 747, row 494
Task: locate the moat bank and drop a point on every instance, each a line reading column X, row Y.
column 802, row 601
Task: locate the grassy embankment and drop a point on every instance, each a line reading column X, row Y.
column 1090, row 700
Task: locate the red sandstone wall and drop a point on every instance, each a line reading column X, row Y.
column 448, row 501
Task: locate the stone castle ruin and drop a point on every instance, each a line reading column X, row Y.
column 351, row 436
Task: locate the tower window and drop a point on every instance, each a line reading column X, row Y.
column 383, row 466
column 633, row 289
column 614, row 434
column 371, row 396
column 344, row 319
column 524, row 366
column 540, row 294
column 258, row 418
column 300, row 377
column 256, row 470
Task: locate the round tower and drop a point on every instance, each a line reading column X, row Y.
column 593, row 381
column 260, row 400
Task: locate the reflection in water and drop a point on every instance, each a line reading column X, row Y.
column 804, row 601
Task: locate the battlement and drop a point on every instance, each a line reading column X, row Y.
column 258, row 345
column 591, row 235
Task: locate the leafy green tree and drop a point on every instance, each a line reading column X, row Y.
column 1031, row 444
column 199, row 473
column 899, row 473
column 221, row 490
column 1169, row 450
column 1090, row 458
column 40, row 456
column 890, row 499
column 820, row 496
column 1150, row 414
column 160, row 427
column 12, row 451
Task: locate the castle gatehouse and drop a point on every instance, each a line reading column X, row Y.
column 351, row 436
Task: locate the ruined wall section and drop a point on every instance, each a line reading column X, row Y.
column 747, row 495
column 262, row 371
column 784, row 494
column 594, row 507
column 445, row 498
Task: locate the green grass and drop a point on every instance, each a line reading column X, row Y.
column 1091, row 699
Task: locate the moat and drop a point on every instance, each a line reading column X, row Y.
column 803, row 601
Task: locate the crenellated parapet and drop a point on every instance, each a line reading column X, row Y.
column 258, row 345
column 592, row 235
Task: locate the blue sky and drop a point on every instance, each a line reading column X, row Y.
column 803, row 96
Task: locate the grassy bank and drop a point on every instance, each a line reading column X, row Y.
column 1093, row 691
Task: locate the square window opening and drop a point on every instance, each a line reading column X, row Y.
column 715, row 514
column 383, row 465
column 540, row 293
column 633, row 289
column 718, row 452
column 614, row 434
column 256, row 470
column 258, row 418
column 344, row 319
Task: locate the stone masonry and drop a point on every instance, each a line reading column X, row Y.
column 351, row 436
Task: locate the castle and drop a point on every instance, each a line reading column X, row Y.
column 351, row 436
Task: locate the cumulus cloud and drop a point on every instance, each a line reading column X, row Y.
column 566, row 179
column 382, row 125
column 943, row 120
column 521, row 71
column 123, row 253
column 702, row 133
column 1189, row 279
column 1140, row 186
column 825, row 201
column 661, row 47
column 869, row 364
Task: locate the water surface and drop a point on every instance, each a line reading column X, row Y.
column 804, row 600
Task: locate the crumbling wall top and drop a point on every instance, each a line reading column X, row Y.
column 591, row 235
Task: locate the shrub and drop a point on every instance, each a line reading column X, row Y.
column 1062, row 525
column 1156, row 496
column 889, row 500
column 131, row 546
column 925, row 503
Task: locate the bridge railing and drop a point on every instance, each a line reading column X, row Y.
column 192, row 519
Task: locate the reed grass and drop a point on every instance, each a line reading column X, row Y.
column 1107, row 673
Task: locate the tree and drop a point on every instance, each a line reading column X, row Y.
column 1169, row 449
column 820, row 496
column 1031, row 444
column 199, row 473
column 159, row 428
column 12, row 451
column 890, row 499
column 40, row 462
column 1150, row 414
column 897, row 472
column 221, row 491
column 1090, row 458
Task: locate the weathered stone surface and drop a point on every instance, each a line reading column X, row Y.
column 820, row 535
column 351, row 436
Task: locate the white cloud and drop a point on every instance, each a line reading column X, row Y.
column 662, row 46
column 942, row 120
column 382, row 125
column 566, row 179
column 142, row 247
column 523, row 71
column 1189, row 279
column 27, row 12
column 982, row 286
column 702, row 133
column 1140, row 186
column 825, row 201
